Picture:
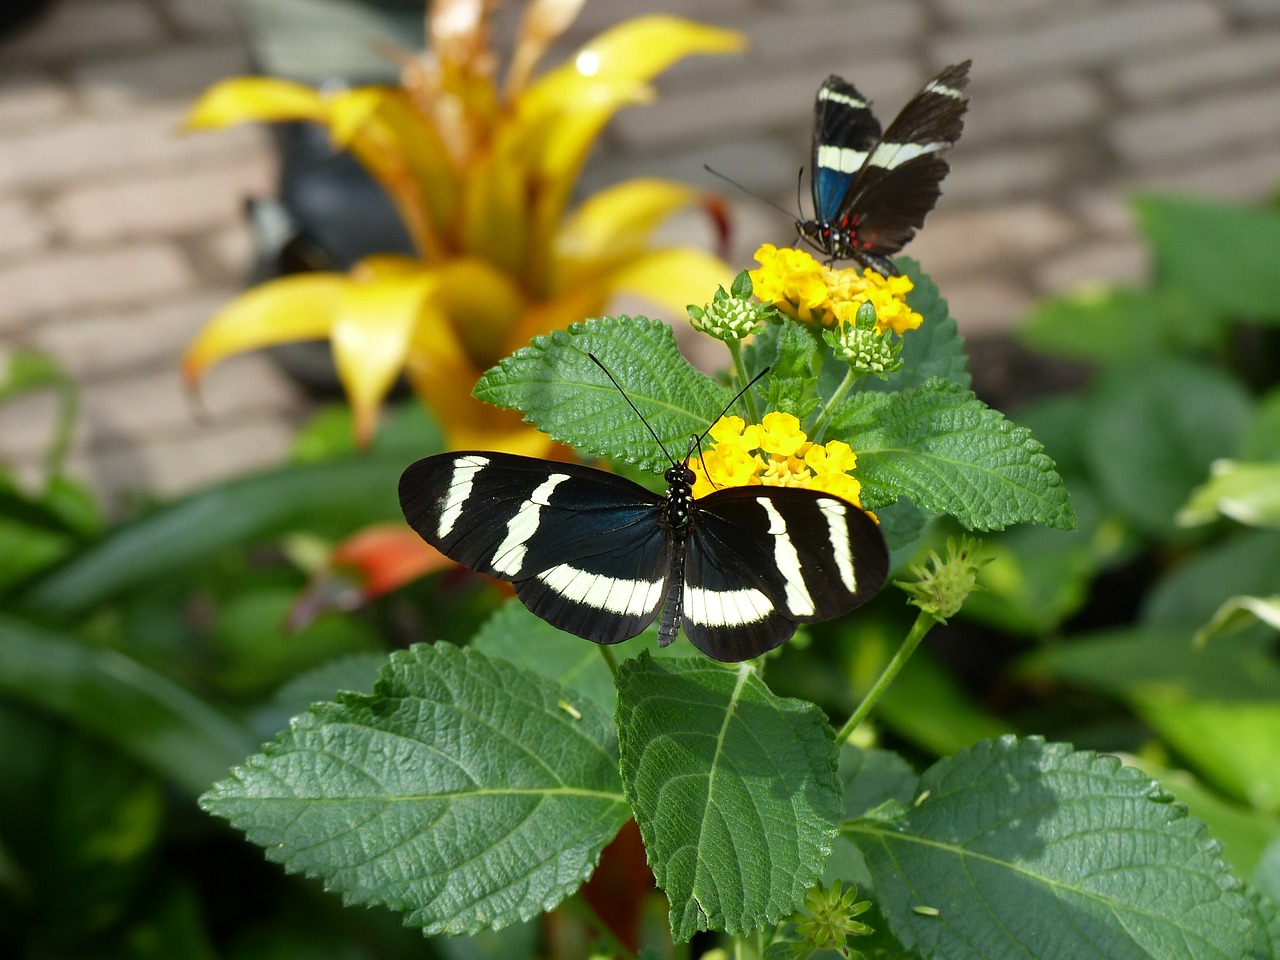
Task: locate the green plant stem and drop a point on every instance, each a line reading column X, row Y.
column 740, row 368
column 748, row 946
column 587, row 914
column 68, row 408
column 610, row 660
column 924, row 623
column 851, row 377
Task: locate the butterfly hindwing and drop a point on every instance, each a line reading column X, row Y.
column 585, row 549
column 761, row 560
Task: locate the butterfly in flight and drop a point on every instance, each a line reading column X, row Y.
column 600, row 556
column 872, row 190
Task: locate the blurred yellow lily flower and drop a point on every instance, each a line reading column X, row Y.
column 481, row 177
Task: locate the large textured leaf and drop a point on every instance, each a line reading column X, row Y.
column 561, row 392
column 935, row 348
column 1022, row 849
column 734, row 789
column 465, row 792
column 946, row 451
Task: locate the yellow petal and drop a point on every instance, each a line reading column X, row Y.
column 614, row 225
column 241, row 99
column 482, row 306
column 371, row 332
column 641, row 48
column 673, row 278
column 402, row 151
column 299, row 307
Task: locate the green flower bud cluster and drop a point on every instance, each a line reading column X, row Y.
column 731, row 315
column 863, row 347
column 941, row 587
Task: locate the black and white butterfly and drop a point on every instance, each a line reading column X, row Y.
column 600, row 556
column 872, row 191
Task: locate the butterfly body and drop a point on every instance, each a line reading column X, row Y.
column 601, row 557
column 873, row 190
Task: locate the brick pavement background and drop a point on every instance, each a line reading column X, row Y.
column 118, row 236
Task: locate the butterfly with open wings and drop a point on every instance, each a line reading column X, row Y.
column 872, row 191
column 600, row 556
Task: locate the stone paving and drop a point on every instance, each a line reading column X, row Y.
column 119, row 236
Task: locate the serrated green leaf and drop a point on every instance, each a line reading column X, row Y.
column 562, row 393
column 934, row 349
column 946, row 451
column 1221, row 255
column 734, row 789
column 526, row 640
column 462, row 792
column 1032, row 849
column 1152, row 431
column 1266, row 926
column 872, row 776
column 790, row 351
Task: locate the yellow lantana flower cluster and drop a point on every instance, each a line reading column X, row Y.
column 774, row 453
column 811, row 292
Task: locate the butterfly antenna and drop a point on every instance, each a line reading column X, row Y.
column 639, row 415
column 750, row 193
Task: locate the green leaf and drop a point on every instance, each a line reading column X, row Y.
column 1031, row 849
column 185, row 534
column 117, row 699
column 791, row 352
column 562, row 393
column 935, row 349
column 526, row 640
column 1111, row 324
column 1266, row 926
column 1243, row 832
column 871, row 777
column 462, row 792
column 1189, row 596
column 1248, row 493
column 1238, row 613
column 946, row 451
column 1224, row 256
column 734, row 789
column 1261, row 440
column 1152, row 432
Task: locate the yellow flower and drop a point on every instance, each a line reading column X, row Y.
column 481, row 174
column 777, row 453
column 811, row 292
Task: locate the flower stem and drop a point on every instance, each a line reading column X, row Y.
column 924, row 623
column 610, row 660
column 740, row 368
column 578, row 905
column 851, row 377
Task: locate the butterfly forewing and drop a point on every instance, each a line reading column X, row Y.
column 844, row 130
column 586, row 550
column 761, row 560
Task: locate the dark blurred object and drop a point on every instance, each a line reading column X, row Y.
column 16, row 14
